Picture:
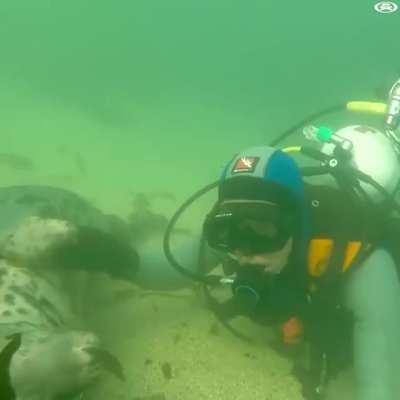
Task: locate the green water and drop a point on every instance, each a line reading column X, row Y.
column 157, row 95
column 111, row 98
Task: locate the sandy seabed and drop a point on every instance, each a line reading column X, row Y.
column 173, row 348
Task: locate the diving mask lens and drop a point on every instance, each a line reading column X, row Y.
column 251, row 228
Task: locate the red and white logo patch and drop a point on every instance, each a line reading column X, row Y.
column 245, row 164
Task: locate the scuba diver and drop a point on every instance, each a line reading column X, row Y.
column 320, row 259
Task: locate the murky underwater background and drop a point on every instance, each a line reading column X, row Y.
column 115, row 98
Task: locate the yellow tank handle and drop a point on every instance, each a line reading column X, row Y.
column 357, row 106
column 367, row 106
column 291, row 149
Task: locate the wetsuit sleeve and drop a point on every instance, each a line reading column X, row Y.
column 373, row 294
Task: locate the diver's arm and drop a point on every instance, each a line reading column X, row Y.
column 373, row 294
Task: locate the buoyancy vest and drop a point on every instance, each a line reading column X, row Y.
column 342, row 231
column 339, row 231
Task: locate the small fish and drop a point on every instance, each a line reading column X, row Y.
column 16, row 161
column 166, row 370
column 141, row 202
column 80, row 163
column 6, row 390
column 164, row 196
column 144, row 201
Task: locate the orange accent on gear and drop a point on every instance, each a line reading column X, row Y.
column 292, row 331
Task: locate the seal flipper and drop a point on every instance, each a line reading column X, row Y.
column 107, row 360
column 6, row 390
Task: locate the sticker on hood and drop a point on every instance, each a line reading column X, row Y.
column 245, row 164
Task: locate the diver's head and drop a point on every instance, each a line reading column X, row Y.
column 258, row 211
column 253, row 222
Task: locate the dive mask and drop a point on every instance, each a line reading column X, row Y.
column 250, row 226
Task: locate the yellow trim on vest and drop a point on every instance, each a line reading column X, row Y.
column 320, row 251
column 351, row 251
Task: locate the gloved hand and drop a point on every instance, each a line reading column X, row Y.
column 311, row 383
